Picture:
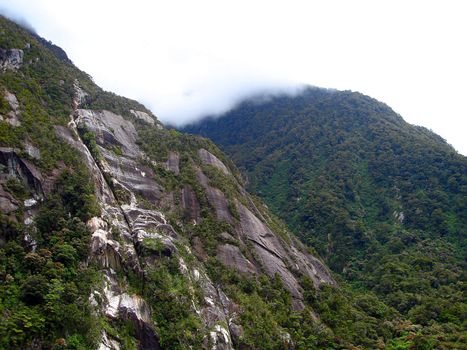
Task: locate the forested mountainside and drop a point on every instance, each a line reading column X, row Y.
column 382, row 201
column 116, row 233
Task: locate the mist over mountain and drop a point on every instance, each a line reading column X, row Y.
column 187, row 60
column 119, row 233
column 116, row 233
column 382, row 201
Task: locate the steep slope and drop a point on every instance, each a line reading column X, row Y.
column 384, row 202
column 118, row 234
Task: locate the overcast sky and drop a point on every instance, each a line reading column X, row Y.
column 184, row 59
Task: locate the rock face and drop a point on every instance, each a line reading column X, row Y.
column 274, row 254
column 143, row 116
column 22, row 170
column 231, row 256
column 113, row 239
column 32, row 150
column 11, row 59
column 13, row 116
column 8, row 204
column 190, row 204
column 80, row 95
column 110, row 129
column 131, row 308
column 116, row 138
column 211, row 159
column 119, row 232
column 173, row 162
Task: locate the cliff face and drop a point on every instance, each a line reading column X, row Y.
column 134, row 206
column 177, row 249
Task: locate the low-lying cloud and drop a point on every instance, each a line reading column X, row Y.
column 186, row 59
column 17, row 18
column 214, row 96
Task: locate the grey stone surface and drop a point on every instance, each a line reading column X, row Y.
column 209, row 158
column 32, row 150
column 21, row 169
column 279, row 257
column 173, row 162
column 11, row 59
column 111, row 130
column 12, row 117
column 143, row 116
column 80, row 97
column 231, row 256
column 131, row 176
column 7, row 202
column 190, row 204
column 131, row 308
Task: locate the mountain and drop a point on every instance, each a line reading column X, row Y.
column 117, row 233
column 382, row 201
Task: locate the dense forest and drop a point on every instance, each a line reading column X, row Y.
column 382, row 201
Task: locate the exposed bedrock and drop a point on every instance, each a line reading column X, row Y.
column 11, row 59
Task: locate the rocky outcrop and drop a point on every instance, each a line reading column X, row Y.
column 105, row 250
column 21, row 169
column 209, row 158
column 116, row 139
column 12, row 117
column 256, row 231
column 102, row 190
column 80, row 97
column 131, row 308
column 173, row 162
column 217, row 312
column 32, row 150
column 7, row 203
column 216, row 198
column 113, row 239
column 309, row 265
column 130, row 176
column 111, row 130
column 11, row 59
column 190, row 204
column 125, row 180
column 279, row 257
column 119, row 233
column 231, row 256
column 108, row 343
column 143, row 116
column 113, row 249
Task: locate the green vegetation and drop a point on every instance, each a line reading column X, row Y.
column 169, row 294
column 44, row 292
column 44, row 285
column 16, row 188
column 383, row 202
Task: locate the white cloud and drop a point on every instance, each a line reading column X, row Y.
column 187, row 58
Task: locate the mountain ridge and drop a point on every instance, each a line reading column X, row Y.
column 117, row 233
column 372, row 193
column 120, row 234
